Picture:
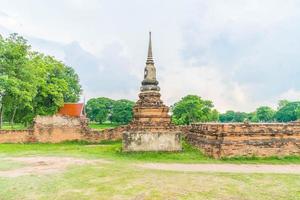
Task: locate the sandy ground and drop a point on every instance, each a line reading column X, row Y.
column 45, row 165
column 231, row 168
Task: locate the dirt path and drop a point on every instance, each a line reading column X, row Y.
column 44, row 165
column 231, row 168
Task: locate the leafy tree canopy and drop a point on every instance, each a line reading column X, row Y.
column 191, row 109
column 99, row 109
column 122, row 111
column 103, row 109
column 265, row 114
column 231, row 116
column 31, row 83
column 290, row 111
column 286, row 111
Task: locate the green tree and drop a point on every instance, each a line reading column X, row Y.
column 288, row 112
column 298, row 113
column 282, row 103
column 214, row 116
column 191, row 109
column 265, row 114
column 19, row 84
column 122, row 111
column 56, row 85
column 74, row 89
column 3, row 92
column 99, row 109
column 228, row 116
column 231, row 116
column 240, row 117
column 31, row 83
column 252, row 117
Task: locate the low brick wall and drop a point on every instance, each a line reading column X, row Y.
column 55, row 129
column 244, row 139
column 57, row 135
column 215, row 139
column 16, row 136
column 112, row 134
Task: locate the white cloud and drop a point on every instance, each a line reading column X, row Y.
column 207, row 82
column 240, row 54
column 291, row 94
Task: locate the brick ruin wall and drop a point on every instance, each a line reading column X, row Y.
column 214, row 139
column 55, row 129
column 16, row 136
column 243, row 139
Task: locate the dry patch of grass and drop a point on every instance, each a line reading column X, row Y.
column 79, row 175
column 6, row 165
column 38, row 165
column 90, row 179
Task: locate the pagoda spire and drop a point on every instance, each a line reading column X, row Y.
column 150, row 83
column 150, row 57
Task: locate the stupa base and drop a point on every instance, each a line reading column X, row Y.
column 151, row 141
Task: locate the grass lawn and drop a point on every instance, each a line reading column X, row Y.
column 98, row 126
column 121, row 179
column 92, row 125
column 17, row 126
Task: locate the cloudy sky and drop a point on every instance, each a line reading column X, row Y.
column 238, row 53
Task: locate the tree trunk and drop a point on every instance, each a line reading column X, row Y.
column 13, row 117
column 1, row 115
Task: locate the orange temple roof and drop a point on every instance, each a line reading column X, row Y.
column 72, row 109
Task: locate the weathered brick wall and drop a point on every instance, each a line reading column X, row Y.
column 244, row 139
column 16, row 136
column 107, row 134
column 59, row 128
column 215, row 139
column 55, row 129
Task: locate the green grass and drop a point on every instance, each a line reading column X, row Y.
column 92, row 125
column 113, row 150
column 121, row 179
column 9, row 165
column 97, row 126
column 17, row 126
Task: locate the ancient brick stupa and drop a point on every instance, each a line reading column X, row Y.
column 151, row 128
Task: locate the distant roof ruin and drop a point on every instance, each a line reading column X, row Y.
column 72, row 110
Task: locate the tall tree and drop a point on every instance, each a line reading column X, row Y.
column 231, row 116
column 252, row 117
column 191, row 109
column 288, row 112
column 240, row 116
column 298, row 113
column 228, row 116
column 74, row 89
column 122, row 111
column 19, row 86
column 282, row 103
column 99, row 109
column 265, row 114
column 31, row 83
column 214, row 116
